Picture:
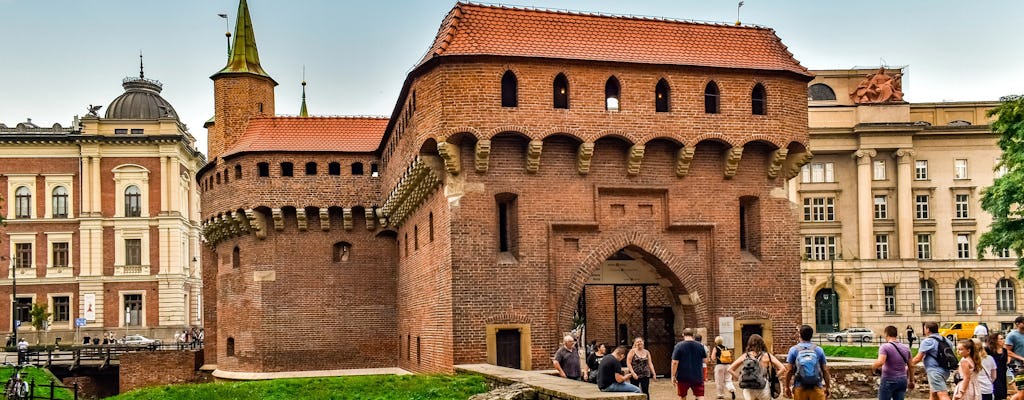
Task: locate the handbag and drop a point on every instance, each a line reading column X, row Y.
column 773, row 382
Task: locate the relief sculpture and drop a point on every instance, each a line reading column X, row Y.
column 879, row 88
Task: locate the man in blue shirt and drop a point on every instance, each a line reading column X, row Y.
column 929, row 352
column 688, row 360
column 822, row 389
column 1015, row 341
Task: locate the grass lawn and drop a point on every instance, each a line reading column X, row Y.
column 383, row 387
column 854, row 351
column 42, row 378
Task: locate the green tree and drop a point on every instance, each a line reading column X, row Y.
column 1003, row 200
column 40, row 317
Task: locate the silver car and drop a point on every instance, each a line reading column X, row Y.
column 856, row 333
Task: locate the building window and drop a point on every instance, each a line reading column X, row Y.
column 819, row 247
column 334, row 168
column 750, row 225
column 23, row 310
column 60, row 255
column 1005, row 296
column 927, row 296
column 882, row 247
column 758, row 100
column 611, row 94
column 23, row 252
column 1002, row 253
column 132, row 201
column 561, row 91
column 890, row 299
column 120, row 131
column 61, row 309
column 415, row 237
column 22, row 203
column 133, row 308
column 236, row 258
column 509, row 90
column 711, row 96
column 218, row 178
column 238, row 171
column 964, row 296
column 819, row 209
column 341, row 252
column 230, row 349
column 879, row 170
column 374, row 170
column 921, row 207
column 921, row 170
column 133, row 252
column 881, row 207
column 963, row 246
column 263, row 169
column 430, row 218
column 818, row 173
column 357, row 168
column 311, row 168
column 820, row 91
column 287, row 169
column 962, row 203
column 226, row 176
column 507, row 232
column 960, row 168
column 60, row 202
column 661, row 96
column 924, row 246
column 138, row 131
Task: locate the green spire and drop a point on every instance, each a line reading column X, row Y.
column 302, row 109
column 244, row 57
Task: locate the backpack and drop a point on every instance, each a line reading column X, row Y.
column 752, row 374
column 944, row 355
column 724, row 355
column 808, row 367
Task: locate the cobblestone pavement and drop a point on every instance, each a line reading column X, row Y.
column 662, row 389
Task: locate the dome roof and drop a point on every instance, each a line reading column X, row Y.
column 140, row 100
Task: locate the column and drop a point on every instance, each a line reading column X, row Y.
column 174, row 185
column 865, row 226
column 86, row 186
column 905, row 201
column 165, row 171
column 97, row 186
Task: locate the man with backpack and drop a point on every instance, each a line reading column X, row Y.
column 810, row 377
column 688, row 360
column 939, row 360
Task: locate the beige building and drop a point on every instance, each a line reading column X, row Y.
column 893, row 195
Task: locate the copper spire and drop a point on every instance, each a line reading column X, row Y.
column 244, row 57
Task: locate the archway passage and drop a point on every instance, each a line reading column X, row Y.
column 826, row 311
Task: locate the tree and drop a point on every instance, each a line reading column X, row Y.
column 1004, row 198
column 40, row 318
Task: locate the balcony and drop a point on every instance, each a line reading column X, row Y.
column 121, row 270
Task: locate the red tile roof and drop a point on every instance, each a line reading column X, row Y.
column 473, row 29
column 306, row 134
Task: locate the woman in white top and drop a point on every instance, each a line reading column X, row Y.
column 756, row 349
column 987, row 375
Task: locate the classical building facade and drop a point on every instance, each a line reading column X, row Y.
column 891, row 209
column 102, row 221
column 531, row 180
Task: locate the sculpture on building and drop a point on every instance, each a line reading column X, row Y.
column 879, row 88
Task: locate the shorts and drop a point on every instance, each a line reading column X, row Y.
column 683, row 387
column 937, row 379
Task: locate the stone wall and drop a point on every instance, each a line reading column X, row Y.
column 153, row 368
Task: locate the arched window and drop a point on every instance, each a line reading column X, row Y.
column 758, row 100
column 334, row 168
column 1005, row 296
column 357, row 168
column 820, row 91
column 132, row 201
column 561, row 91
column 612, row 90
column 927, row 296
column 342, row 251
column 287, row 169
column 263, row 169
column 509, row 90
column 964, row 296
column 711, row 96
column 236, row 258
column 22, row 203
column 60, row 202
column 226, row 175
column 661, row 96
column 238, row 171
column 230, row 347
column 508, row 229
column 218, row 178
column 311, row 168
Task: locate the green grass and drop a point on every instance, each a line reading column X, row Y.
column 854, row 351
column 42, row 378
column 382, row 387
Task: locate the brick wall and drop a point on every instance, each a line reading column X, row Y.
column 237, row 97
column 154, row 368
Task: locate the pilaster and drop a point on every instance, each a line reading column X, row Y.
column 865, row 229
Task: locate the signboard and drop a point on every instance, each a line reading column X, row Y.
column 979, row 310
column 727, row 328
column 90, row 306
column 17, row 324
column 79, row 322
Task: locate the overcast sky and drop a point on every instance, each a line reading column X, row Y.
column 58, row 56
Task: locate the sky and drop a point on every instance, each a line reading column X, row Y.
column 59, row 56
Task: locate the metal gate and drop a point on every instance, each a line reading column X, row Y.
column 639, row 311
column 826, row 311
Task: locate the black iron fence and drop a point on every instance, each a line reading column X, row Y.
column 50, row 390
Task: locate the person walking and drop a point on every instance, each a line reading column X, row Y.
column 751, row 369
column 807, row 377
column 722, row 358
column 995, row 346
column 610, row 377
column 567, row 359
column 1015, row 341
column 688, row 360
column 639, row 361
column 932, row 348
column 987, row 375
column 894, row 360
column 970, row 367
column 981, row 331
column 22, row 351
column 910, row 336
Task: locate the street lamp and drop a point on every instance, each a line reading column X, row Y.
column 832, row 309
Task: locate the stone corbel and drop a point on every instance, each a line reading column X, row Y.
column 533, row 150
column 259, row 224
column 450, row 154
column 325, row 219
column 242, row 221
column 300, row 217
column 775, row 162
column 382, row 218
column 683, row 158
column 482, row 155
column 636, row 157
column 732, row 161
column 228, row 223
column 791, row 168
column 346, row 218
column 278, row 219
column 583, row 156
column 368, row 214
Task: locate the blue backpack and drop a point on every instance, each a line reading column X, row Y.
column 808, row 366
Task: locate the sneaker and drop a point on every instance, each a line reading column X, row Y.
column 733, row 395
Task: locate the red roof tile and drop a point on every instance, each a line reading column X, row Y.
column 306, row 134
column 473, row 29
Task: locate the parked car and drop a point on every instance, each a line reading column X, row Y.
column 139, row 340
column 957, row 330
column 857, row 333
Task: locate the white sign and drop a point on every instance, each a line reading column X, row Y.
column 979, row 310
column 90, row 306
column 727, row 328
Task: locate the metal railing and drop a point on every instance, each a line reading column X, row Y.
column 822, row 339
column 102, row 354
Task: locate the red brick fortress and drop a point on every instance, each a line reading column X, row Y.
column 538, row 167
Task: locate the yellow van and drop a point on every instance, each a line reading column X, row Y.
column 958, row 330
